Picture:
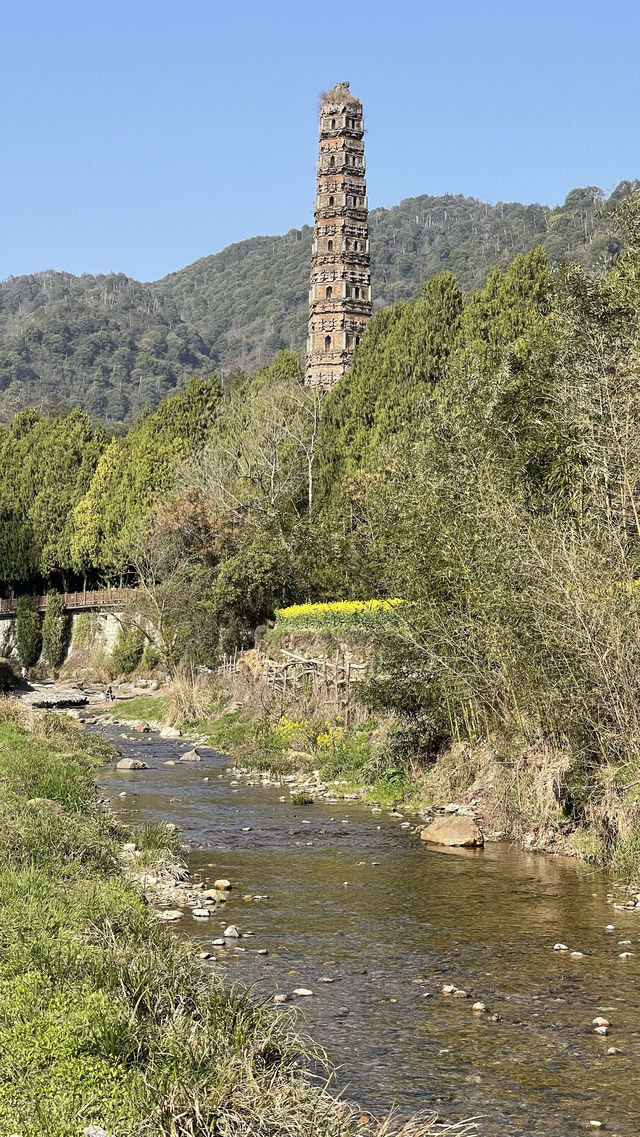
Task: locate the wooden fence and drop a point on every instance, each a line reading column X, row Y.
column 77, row 601
column 328, row 680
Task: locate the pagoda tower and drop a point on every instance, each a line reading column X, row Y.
column 340, row 296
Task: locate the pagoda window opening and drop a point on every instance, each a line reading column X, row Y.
column 329, row 292
column 327, row 343
column 330, row 246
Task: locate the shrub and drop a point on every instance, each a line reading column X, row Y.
column 7, row 678
column 28, row 631
column 55, row 630
column 127, row 649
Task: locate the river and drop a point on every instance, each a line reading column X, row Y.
column 354, row 898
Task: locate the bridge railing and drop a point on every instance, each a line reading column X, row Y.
column 76, row 601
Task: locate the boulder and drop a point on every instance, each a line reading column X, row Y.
column 131, row 764
column 191, row 756
column 451, row 830
column 169, row 732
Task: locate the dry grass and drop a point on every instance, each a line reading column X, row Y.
column 189, row 695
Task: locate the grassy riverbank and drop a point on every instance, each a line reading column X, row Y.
column 106, row 1017
column 520, row 790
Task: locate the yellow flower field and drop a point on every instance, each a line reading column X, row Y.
column 337, row 614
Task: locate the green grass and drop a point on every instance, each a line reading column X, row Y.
column 143, row 707
column 226, row 733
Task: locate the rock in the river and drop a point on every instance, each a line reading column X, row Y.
column 479, row 1007
column 142, row 727
column 169, row 732
column 302, row 992
column 231, row 933
column 560, row 947
column 600, row 1021
column 577, row 954
column 454, row 992
column 222, row 885
column 218, row 943
column 280, row 998
column 452, row 830
column 191, row 756
column 601, row 1030
column 169, row 762
column 170, row 914
column 200, row 913
column 614, row 1050
column 131, row 764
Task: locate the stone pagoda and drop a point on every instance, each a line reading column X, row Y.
column 340, row 296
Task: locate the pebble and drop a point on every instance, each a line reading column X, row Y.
column 626, row 954
column 613, row 1050
column 560, row 947
column 302, row 991
column 577, row 955
column 610, row 928
column 621, row 943
column 325, row 979
column 601, row 1030
column 479, row 1007
column 231, row 932
column 262, row 951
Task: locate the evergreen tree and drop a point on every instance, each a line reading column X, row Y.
column 55, row 630
column 28, row 631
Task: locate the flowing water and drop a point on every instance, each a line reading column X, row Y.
column 351, row 896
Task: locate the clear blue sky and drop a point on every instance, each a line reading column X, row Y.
column 138, row 136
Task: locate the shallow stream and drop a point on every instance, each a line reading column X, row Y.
column 353, row 897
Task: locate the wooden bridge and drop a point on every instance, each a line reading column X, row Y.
column 95, row 600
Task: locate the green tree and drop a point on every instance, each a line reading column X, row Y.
column 28, row 631
column 55, row 630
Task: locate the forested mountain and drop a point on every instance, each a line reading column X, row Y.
column 114, row 346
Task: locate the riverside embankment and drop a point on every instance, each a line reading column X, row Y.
column 350, row 905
